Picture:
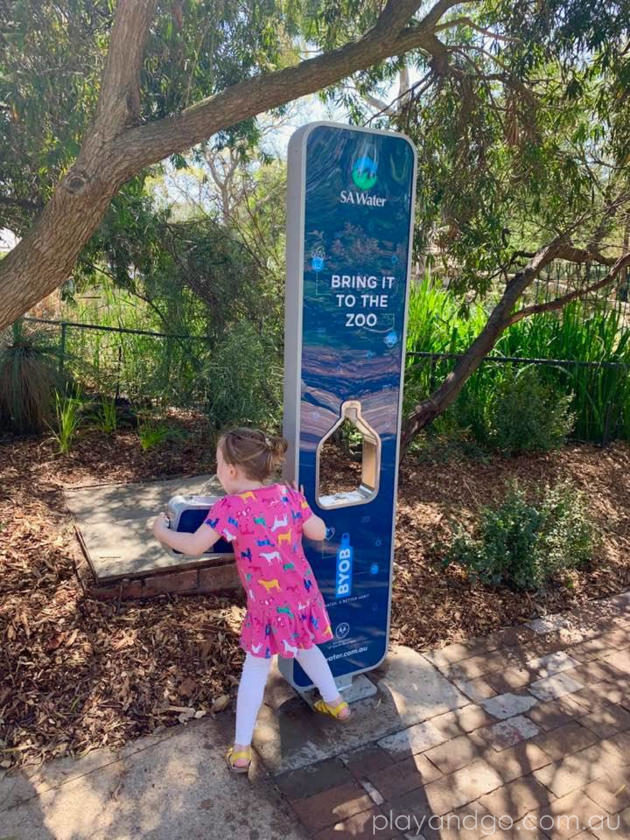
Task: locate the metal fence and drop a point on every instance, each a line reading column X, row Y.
column 126, row 362
column 601, row 389
column 139, row 364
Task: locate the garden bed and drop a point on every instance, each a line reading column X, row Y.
column 77, row 673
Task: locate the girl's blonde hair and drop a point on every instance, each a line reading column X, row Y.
column 254, row 451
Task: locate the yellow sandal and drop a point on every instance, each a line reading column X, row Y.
column 326, row 709
column 232, row 756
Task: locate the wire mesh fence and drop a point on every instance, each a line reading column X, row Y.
column 167, row 369
column 140, row 365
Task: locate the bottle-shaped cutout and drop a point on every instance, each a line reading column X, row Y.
column 370, row 465
column 343, row 577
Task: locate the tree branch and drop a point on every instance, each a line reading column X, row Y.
column 153, row 142
column 466, row 21
column 583, row 255
column 119, row 99
column 392, row 19
column 558, row 303
column 110, row 155
column 415, row 90
column 498, row 321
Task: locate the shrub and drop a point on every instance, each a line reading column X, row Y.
column 244, row 381
column 108, row 418
column 152, row 433
column 528, row 415
column 524, row 544
column 109, row 414
column 350, row 440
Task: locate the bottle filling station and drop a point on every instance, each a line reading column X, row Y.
column 349, row 228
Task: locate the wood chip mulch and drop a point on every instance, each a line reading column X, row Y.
column 77, row 673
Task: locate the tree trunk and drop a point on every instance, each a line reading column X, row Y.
column 46, row 255
column 426, row 411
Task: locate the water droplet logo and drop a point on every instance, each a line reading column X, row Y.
column 364, row 173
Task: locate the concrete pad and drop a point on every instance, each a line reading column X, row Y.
column 551, row 663
column 70, row 811
column 419, row 690
column 360, row 688
column 175, row 789
column 113, row 521
column 410, row 691
column 34, row 780
column 555, row 686
column 508, row 705
column 101, row 502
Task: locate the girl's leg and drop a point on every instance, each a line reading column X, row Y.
column 317, row 668
column 249, row 700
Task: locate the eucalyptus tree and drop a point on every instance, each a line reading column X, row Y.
column 133, row 85
column 519, row 112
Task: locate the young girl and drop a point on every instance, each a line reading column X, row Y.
column 285, row 610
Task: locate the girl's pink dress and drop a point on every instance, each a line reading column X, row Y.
column 285, row 609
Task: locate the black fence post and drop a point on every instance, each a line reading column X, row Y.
column 62, row 347
column 118, row 369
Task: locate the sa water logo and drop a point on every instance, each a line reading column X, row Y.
column 364, row 173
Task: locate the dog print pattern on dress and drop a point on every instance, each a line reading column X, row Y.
column 285, row 609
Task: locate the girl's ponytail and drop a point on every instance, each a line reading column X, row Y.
column 279, row 447
column 276, row 449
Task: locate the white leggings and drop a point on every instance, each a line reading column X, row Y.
column 254, row 679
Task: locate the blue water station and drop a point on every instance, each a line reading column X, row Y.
column 349, row 230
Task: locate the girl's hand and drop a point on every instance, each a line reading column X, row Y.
column 161, row 524
column 295, row 487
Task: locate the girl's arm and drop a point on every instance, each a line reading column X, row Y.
column 193, row 544
column 314, row 528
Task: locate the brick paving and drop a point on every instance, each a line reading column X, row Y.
column 542, row 749
column 523, row 735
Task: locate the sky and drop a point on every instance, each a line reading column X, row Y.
column 306, row 110
column 7, row 240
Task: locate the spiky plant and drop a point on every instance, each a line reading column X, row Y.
column 28, row 380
